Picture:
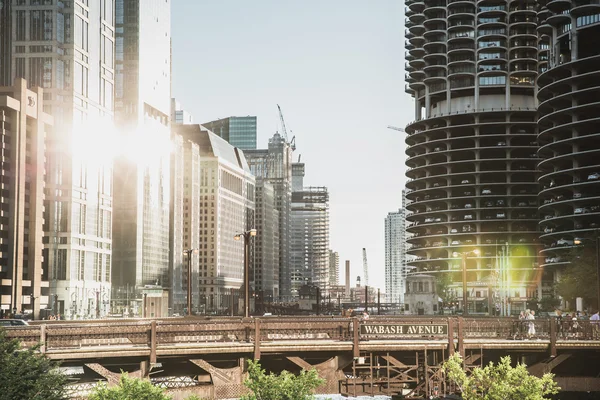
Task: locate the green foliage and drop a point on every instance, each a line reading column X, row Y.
column 499, row 382
column 27, row 374
column 575, row 279
column 285, row 386
column 129, row 389
column 442, row 287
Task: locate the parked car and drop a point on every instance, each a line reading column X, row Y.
column 468, row 216
column 486, row 191
column 577, row 195
column 455, row 242
column 500, row 215
column 581, row 210
column 564, row 242
column 501, row 144
column 465, row 182
column 468, row 205
column 453, row 230
column 594, row 176
column 521, row 204
column 427, row 220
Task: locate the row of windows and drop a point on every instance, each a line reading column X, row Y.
column 588, row 20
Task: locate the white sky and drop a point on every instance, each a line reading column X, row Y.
column 336, row 67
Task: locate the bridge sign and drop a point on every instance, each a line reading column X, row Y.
column 404, row 329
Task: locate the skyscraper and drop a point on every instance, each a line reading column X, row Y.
column 334, row 268
column 395, row 256
column 225, row 208
column 68, row 51
column 240, row 132
column 23, row 282
column 142, row 110
column 274, row 165
column 309, row 250
column 568, row 130
column 472, row 147
column 266, row 261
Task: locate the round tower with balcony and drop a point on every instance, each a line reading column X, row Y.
column 472, row 149
column 569, row 127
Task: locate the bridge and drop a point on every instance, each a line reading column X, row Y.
column 383, row 355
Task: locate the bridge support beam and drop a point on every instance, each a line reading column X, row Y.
column 113, row 378
column 542, row 368
column 330, row 370
column 228, row 383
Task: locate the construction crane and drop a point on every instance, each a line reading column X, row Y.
column 284, row 130
column 396, row 128
column 366, row 267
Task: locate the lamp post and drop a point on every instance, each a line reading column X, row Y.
column 578, row 241
column 464, row 256
column 246, row 235
column 189, row 253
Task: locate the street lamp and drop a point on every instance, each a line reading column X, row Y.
column 246, row 235
column 578, row 241
column 189, row 253
column 464, row 256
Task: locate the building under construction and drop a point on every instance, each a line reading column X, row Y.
column 310, row 234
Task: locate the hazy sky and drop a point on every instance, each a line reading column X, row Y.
column 336, row 68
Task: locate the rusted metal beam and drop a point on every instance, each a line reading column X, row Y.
column 578, row 384
column 355, row 338
column 257, row 339
column 153, row 342
column 451, row 336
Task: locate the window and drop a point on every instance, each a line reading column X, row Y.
column 40, row 25
column 21, row 24
column 492, row 80
column 81, row 33
column 40, row 71
column 588, row 20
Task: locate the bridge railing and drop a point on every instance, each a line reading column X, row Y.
column 203, row 331
column 146, row 333
column 271, row 329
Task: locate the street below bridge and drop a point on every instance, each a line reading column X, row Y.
column 383, row 355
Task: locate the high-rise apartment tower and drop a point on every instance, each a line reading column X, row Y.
column 472, row 151
column 67, row 49
column 569, row 133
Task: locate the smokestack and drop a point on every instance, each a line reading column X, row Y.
column 347, row 278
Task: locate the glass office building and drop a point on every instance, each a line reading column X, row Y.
column 142, row 111
column 68, row 51
column 240, row 132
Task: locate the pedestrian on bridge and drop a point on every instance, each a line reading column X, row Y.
column 531, row 318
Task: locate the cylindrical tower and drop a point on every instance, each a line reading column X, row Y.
column 472, row 150
column 569, row 126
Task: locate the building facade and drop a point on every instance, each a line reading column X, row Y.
column 568, row 129
column 68, row 51
column 395, row 257
column 472, row 149
column 23, row 127
column 309, row 252
column 225, row 208
column 240, row 132
column 274, row 165
column 266, row 261
column 142, row 111
column 334, row 268
column 179, row 115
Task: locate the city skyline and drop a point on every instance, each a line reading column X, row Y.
column 349, row 42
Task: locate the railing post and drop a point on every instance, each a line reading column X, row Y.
column 256, row 339
column 450, row 336
column 153, row 342
column 43, row 338
column 461, row 336
column 355, row 338
column 552, row 337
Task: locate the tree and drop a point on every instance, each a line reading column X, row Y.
column 499, row 382
column 129, row 389
column 28, row 374
column 285, row 386
column 575, row 279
